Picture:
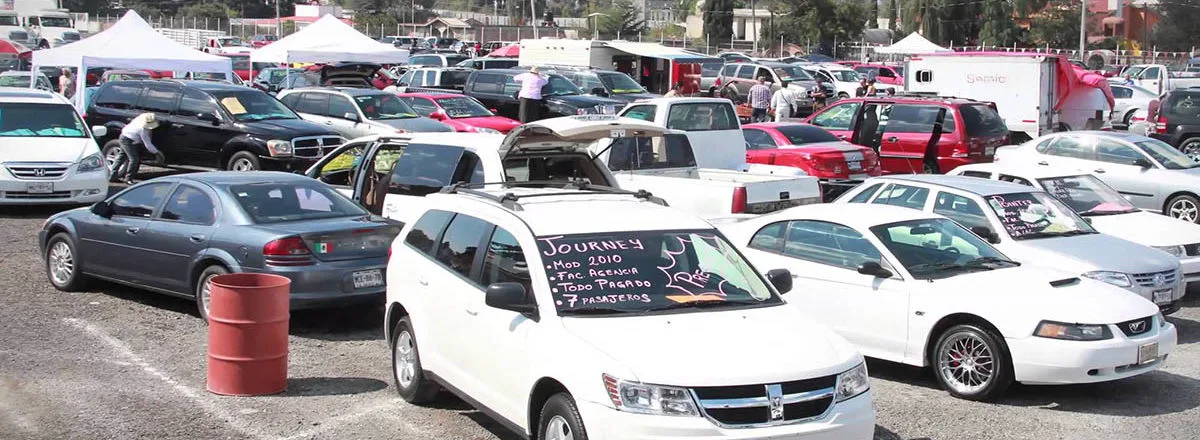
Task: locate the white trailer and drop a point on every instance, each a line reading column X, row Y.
column 655, row 66
column 561, row 52
column 1025, row 88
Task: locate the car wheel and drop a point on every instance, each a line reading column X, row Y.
column 1128, row 116
column 203, row 291
column 243, row 161
column 931, row 167
column 411, row 383
column 731, row 94
column 560, row 419
column 43, row 44
column 1185, row 207
column 843, row 95
column 62, row 264
column 971, row 363
column 1191, row 147
column 112, row 150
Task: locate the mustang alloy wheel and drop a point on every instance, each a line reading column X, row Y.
column 1184, row 207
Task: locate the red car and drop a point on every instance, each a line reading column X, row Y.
column 904, row 131
column 816, row 151
column 893, row 75
column 462, row 112
column 258, row 41
column 241, row 65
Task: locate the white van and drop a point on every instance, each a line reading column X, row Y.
column 47, row 153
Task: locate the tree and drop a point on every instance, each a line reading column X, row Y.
column 874, row 22
column 998, row 26
column 822, row 21
column 1057, row 25
column 1176, row 30
column 621, row 20
column 718, row 20
column 891, row 15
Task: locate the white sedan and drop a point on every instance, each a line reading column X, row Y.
column 1128, row 99
column 917, row 288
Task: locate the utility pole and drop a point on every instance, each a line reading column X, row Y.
column 533, row 17
column 1082, row 29
column 754, row 34
column 278, row 23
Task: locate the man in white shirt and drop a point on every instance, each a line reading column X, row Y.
column 134, row 137
column 530, row 94
column 783, row 101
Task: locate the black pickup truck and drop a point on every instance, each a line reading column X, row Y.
column 497, row 89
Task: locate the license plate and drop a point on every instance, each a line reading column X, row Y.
column 1162, row 296
column 989, row 151
column 859, row 177
column 1147, row 353
column 763, row 208
column 39, row 187
column 854, row 165
column 853, row 156
column 367, row 278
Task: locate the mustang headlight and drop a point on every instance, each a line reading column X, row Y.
column 91, row 163
column 853, row 382
column 643, row 398
column 1176, row 251
column 279, row 148
column 1115, row 278
column 1073, row 332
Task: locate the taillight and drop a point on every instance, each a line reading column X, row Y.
column 1161, row 126
column 717, row 83
column 828, row 163
column 739, row 200
column 287, row 251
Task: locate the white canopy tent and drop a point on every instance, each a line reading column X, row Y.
column 130, row 43
column 913, row 43
column 329, row 40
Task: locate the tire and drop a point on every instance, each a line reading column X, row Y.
column 560, row 419
column 43, row 44
column 1128, row 116
column 62, row 264
column 415, row 388
column 110, row 152
column 243, row 161
column 201, row 291
column 1191, row 147
column 931, row 167
column 843, row 95
column 731, row 94
column 974, row 379
column 1184, row 207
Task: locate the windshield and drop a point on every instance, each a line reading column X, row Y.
column 276, row 76
column 253, row 105
column 240, row 63
column 938, row 248
column 273, row 202
column 384, row 106
column 899, row 70
column 792, row 73
column 620, row 83
column 44, row 120
column 17, row 80
column 647, row 271
column 982, row 121
column 464, row 107
column 559, row 86
column 1034, row 215
column 455, row 78
column 844, row 75
column 231, row 41
column 1087, row 195
column 806, row 134
column 8, row 20
column 56, row 22
column 1165, row 154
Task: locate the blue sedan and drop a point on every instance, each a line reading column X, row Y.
column 173, row 234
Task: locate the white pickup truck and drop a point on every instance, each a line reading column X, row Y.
column 387, row 174
column 1156, row 78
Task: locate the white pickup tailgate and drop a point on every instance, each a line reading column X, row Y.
column 710, row 192
column 768, row 193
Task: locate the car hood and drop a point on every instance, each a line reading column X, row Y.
column 716, row 348
column 579, row 101
column 286, row 128
column 630, row 97
column 418, row 124
column 1148, row 229
column 498, row 123
column 1084, row 253
column 46, row 149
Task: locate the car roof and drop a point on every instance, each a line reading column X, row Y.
column 685, row 100
column 430, row 95
column 1123, row 135
column 562, row 211
column 226, row 178
column 901, row 99
column 982, row 187
column 857, row 215
column 28, row 95
column 1036, row 172
column 211, row 86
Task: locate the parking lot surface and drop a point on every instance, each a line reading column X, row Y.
column 116, row 362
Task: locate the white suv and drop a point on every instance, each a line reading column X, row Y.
column 47, row 153
column 576, row 314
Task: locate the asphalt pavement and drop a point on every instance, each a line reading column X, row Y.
column 119, row 363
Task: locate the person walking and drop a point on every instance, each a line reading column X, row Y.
column 675, row 91
column 861, row 91
column 66, row 84
column 134, row 137
column 530, row 94
column 818, row 94
column 784, row 102
column 871, row 87
column 760, row 100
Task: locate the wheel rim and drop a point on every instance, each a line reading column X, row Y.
column 1192, row 150
column 206, row 293
column 558, row 429
column 242, row 164
column 406, row 359
column 1184, row 209
column 62, row 263
column 966, row 364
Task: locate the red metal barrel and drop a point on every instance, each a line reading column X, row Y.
column 248, row 334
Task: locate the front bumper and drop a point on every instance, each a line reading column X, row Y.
column 853, row 419
column 329, row 284
column 73, row 189
column 1046, row 361
column 1191, row 268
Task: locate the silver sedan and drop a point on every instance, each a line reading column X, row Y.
column 1153, row 175
column 1128, row 99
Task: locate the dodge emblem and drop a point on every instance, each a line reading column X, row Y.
column 1137, row 327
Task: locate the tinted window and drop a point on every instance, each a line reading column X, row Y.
column 195, row 102
column 862, row 197
column 806, row 134
column 1122, row 92
column 313, row 103
column 425, row 60
column 1183, row 104
column 980, row 174
column 903, row 195
column 758, row 139
column 746, row 72
column 1070, row 146
column 829, row 243
column 427, row 229
column 461, row 243
column 838, row 117
column 643, row 112
column 454, row 78
column 424, row 169
column 290, row 100
column 982, row 120
column 770, row 237
column 274, row 202
column 505, row 261
column 140, row 201
column 118, row 96
column 340, row 105
column 190, row 205
column 488, row 83
column 1015, row 179
column 702, row 117
column 917, row 119
column 728, row 70
column 422, row 106
column 641, row 153
column 1111, row 151
column 960, row 209
column 158, row 99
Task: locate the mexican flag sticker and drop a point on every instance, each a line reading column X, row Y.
column 324, row 248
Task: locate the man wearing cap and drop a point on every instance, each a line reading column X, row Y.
column 530, row 94
column 134, row 136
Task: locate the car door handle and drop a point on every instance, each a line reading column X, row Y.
column 196, row 238
column 1099, row 170
column 424, row 282
column 1043, row 163
column 133, row 230
column 842, row 137
column 177, row 125
column 471, row 311
column 893, row 139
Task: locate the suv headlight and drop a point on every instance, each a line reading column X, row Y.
column 486, row 130
column 91, row 163
column 1176, row 251
column 1072, row 332
column 279, row 148
column 853, row 382
column 1115, row 278
column 643, row 398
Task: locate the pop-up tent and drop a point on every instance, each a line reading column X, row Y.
column 329, row 40
column 130, row 43
column 913, row 43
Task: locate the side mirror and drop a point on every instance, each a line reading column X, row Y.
column 350, row 116
column 493, row 110
column 437, row 116
column 99, row 131
column 511, row 297
column 986, row 233
column 1088, row 220
column 873, row 268
column 781, row 279
column 1143, row 163
column 103, row 209
column 208, row 117
column 599, row 91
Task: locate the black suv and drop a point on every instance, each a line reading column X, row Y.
column 606, row 83
column 497, row 89
column 212, row 125
column 1178, row 121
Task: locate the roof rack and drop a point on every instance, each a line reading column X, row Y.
column 510, row 200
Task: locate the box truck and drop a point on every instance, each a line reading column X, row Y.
column 653, row 65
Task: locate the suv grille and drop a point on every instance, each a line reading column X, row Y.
column 315, row 146
column 70, row 36
column 1156, row 279
column 1137, row 326
column 768, row 404
column 28, row 195
column 38, row 171
column 1191, row 250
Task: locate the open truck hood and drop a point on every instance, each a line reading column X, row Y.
column 573, row 133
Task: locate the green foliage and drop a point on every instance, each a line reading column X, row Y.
column 210, row 10
column 998, row 27
column 821, row 21
column 621, row 19
column 1177, row 29
column 1057, row 25
column 718, row 20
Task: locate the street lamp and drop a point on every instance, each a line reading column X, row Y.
column 596, row 28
